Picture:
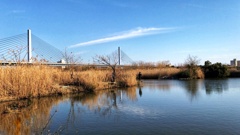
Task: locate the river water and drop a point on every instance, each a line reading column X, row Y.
column 179, row 107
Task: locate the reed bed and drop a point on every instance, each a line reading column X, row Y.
column 160, row 73
column 25, row 81
column 127, row 78
column 200, row 73
column 18, row 82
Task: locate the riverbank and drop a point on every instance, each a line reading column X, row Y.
column 179, row 73
column 22, row 82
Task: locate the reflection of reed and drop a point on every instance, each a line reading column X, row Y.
column 131, row 93
column 158, row 85
column 25, row 120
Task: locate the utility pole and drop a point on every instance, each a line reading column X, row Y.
column 29, row 43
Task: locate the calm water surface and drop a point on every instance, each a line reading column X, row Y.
column 198, row 107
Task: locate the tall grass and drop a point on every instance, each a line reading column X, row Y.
column 160, row 73
column 25, row 81
column 19, row 82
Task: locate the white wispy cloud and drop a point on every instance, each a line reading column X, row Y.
column 125, row 35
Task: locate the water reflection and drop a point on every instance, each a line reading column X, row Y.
column 34, row 117
column 192, row 87
column 103, row 102
column 140, row 91
column 158, row 84
column 217, row 86
column 25, row 117
column 100, row 102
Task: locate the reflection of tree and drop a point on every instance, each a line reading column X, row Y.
column 104, row 102
column 191, row 86
column 216, row 86
column 22, row 117
column 101, row 101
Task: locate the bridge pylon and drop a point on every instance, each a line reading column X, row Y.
column 29, row 43
column 119, row 56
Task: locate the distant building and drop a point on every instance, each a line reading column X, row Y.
column 62, row 61
column 235, row 63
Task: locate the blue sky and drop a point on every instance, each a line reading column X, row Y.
column 148, row 30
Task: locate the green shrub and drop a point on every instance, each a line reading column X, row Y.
column 216, row 70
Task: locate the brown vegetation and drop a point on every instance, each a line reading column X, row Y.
column 160, row 73
column 24, row 81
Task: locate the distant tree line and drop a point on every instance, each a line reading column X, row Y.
column 209, row 70
column 216, row 70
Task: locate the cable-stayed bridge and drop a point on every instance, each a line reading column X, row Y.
column 28, row 48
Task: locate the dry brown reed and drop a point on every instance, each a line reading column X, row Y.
column 26, row 81
column 159, row 73
column 126, row 78
column 200, row 73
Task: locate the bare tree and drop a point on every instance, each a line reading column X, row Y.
column 192, row 61
column 108, row 60
column 70, row 57
column 143, row 64
column 192, row 65
column 17, row 55
column 163, row 64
